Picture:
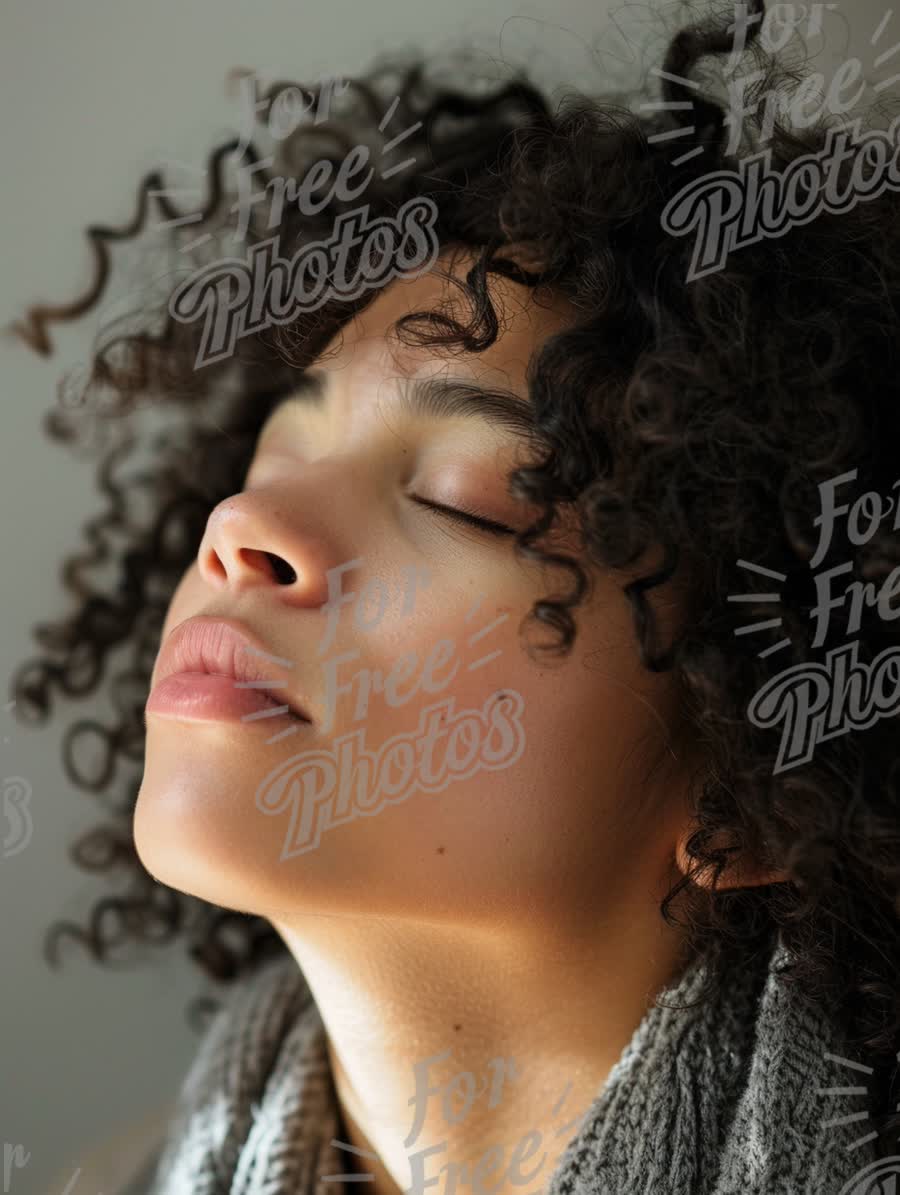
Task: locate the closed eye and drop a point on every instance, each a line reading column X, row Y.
column 466, row 516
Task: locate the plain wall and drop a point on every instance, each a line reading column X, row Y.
column 93, row 95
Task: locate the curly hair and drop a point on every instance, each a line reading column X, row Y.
column 698, row 417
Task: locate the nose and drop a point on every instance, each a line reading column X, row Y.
column 250, row 540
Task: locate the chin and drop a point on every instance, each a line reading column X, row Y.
column 184, row 836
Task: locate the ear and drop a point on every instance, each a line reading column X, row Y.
column 740, row 873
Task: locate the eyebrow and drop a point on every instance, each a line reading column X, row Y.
column 442, row 398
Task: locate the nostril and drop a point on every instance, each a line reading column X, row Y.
column 283, row 571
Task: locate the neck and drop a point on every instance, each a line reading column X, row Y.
column 466, row 1058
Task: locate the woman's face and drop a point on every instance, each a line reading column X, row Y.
column 472, row 785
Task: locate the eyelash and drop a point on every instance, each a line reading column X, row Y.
column 464, row 516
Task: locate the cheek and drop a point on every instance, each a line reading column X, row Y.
column 532, row 798
column 546, row 809
column 198, row 827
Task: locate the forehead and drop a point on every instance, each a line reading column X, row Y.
column 368, row 346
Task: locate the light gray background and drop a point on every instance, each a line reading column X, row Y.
column 92, row 96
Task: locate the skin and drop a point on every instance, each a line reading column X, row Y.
column 515, row 913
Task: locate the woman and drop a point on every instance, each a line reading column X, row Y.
column 458, row 760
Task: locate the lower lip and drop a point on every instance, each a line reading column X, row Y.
column 204, row 697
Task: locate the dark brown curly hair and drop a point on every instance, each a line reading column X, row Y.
column 698, row 416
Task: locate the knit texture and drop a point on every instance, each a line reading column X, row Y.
column 726, row 1098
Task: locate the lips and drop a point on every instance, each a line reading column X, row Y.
column 223, row 647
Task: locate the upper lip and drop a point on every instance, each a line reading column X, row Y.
column 219, row 646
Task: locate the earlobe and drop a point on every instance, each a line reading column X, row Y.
column 740, row 873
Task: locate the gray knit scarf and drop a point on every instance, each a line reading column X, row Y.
column 718, row 1099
